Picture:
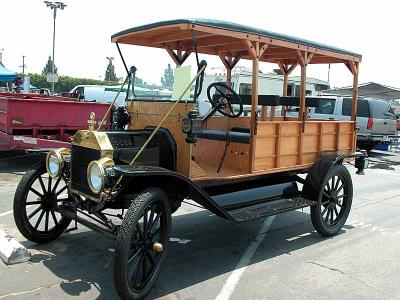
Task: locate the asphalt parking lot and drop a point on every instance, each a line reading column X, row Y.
column 209, row 258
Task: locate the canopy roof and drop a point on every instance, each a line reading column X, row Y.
column 225, row 38
column 7, row 75
column 369, row 89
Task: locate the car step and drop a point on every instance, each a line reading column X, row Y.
column 269, row 209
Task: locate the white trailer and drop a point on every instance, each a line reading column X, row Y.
column 268, row 84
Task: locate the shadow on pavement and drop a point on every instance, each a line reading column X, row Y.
column 84, row 260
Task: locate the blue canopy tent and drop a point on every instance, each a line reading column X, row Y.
column 7, row 75
column 31, row 87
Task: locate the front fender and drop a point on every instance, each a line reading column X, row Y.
column 156, row 176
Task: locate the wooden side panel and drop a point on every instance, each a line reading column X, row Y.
column 145, row 113
column 310, row 143
column 208, row 153
column 278, row 142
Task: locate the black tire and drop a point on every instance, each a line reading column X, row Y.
column 334, row 201
column 47, row 196
column 134, row 248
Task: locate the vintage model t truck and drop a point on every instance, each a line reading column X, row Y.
column 159, row 156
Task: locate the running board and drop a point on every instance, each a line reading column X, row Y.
column 269, row 209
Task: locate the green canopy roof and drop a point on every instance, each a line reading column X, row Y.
column 235, row 28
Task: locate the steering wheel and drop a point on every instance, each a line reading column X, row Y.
column 226, row 100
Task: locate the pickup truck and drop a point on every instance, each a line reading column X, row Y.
column 376, row 119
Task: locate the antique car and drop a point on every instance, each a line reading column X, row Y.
column 159, row 154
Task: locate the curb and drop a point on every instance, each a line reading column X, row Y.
column 12, row 252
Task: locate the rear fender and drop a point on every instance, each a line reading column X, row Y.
column 320, row 169
column 169, row 180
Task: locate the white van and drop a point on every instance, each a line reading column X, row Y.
column 99, row 93
column 106, row 94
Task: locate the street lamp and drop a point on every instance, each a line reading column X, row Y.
column 54, row 6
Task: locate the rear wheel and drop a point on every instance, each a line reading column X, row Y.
column 334, row 201
column 141, row 244
column 35, row 200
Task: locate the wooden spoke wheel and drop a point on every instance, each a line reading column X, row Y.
column 141, row 244
column 334, row 201
column 35, row 200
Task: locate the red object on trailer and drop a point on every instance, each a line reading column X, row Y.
column 31, row 121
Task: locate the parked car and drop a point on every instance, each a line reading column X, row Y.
column 376, row 119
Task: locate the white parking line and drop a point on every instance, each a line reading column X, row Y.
column 179, row 241
column 246, row 258
column 6, row 213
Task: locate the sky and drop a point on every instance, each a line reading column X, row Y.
column 84, row 29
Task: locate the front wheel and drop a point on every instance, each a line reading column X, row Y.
column 35, row 202
column 142, row 243
column 334, row 201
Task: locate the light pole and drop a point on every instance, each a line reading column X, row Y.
column 23, row 64
column 54, row 6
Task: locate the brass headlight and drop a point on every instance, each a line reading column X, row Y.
column 55, row 161
column 96, row 174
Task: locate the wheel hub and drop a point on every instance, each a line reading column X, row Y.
column 158, row 247
column 49, row 201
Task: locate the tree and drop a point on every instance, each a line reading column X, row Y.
column 48, row 69
column 65, row 83
column 110, row 71
column 168, row 78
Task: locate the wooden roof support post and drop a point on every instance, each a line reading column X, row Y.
column 229, row 63
column 254, row 112
column 286, row 71
column 354, row 68
column 178, row 57
column 254, row 50
column 304, row 60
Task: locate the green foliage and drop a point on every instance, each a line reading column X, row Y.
column 65, row 83
column 110, row 71
column 48, row 69
column 168, row 78
column 138, row 81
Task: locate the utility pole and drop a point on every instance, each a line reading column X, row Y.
column 23, row 64
column 54, row 6
column 1, row 55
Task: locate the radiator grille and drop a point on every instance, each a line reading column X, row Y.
column 80, row 159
